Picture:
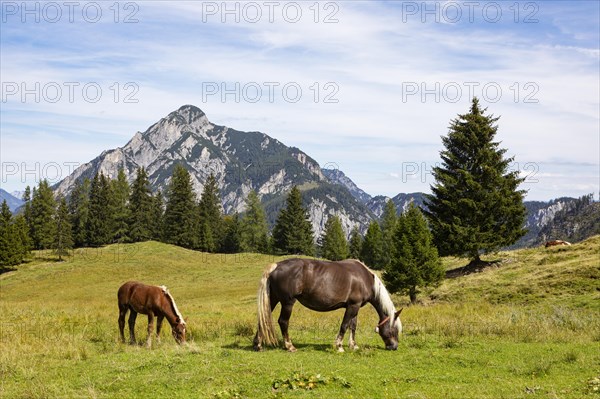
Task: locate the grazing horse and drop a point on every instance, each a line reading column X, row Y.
column 152, row 301
column 324, row 286
column 556, row 242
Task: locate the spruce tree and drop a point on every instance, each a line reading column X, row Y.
column 232, row 240
column 354, row 244
column 22, row 232
column 79, row 210
column 157, row 212
column 388, row 224
column 99, row 226
column 11, row 251
column 119, row 210
column 180, row 221
column 475, row 206
column 210, row 215
column 415, row 262
column 142, row 222
column 333, row 241
column 42, row 216
column 27, row 209
column 372, row 247
column 254, row 228
column 63, row 240
column 293, row 232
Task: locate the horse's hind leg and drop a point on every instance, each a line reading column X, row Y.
column 159, row 320
column 351, row 312
column 122, row 313
column 351, row 342
column 284, row 320
column 132, row 317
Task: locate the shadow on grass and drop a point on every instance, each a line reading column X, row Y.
column 473, row 267
column 7, row 269
column 299, row 346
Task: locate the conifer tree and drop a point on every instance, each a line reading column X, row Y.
column 99, row 221
column 210, row 215
column 372, row 247
column 63, row 240
column 142, row 222
column 10, row 246
column 119, row 207
column 79, row 211
column 232, row 241
column 475, row 206
column 157, row 212
column 333, row 241
column 388, row 224
column 354, row 244
column 42, row 216
column 254, row 228
column 415, row 262
column 293, row 232
column 180, row 221
column 22, row 232
column 27, row 210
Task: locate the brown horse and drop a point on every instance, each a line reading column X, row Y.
column 556, row 242
column 152, row 301
column 324, row 286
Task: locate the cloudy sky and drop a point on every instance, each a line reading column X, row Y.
column 364, row 86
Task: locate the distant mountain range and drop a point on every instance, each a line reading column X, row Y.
column 244, row 161
column 12, row 201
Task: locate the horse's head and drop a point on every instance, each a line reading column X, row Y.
column 179, row 331
column 389, row 331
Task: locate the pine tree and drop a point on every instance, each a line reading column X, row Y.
column 79, row 210
column 293, row 232
column 415, row 262
column 27, row 210
column 333, row 241
column 355, row 244
column 42, row 216
column 254, row 228
column 372, row 247
column 180, row 222
column 119, row 210
column 22, row 233
column 388, row 224
column 142, row 223
column 10, row 246
column 475, row 205
column 232, row 241
column 63, row 240
column 99, row 221
column 211, row 231
column 157, row 212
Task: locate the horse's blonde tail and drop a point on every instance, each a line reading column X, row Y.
column 266, row 332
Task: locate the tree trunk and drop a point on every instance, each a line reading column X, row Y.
column 412, row 293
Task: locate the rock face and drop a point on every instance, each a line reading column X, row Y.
column 240, row 161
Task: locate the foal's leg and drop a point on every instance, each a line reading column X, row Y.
column 351, row 312
column 122, row 314
column 150, row 329
column 159, row 320
column 351, row 342
column 131, row 322
column 284, row 319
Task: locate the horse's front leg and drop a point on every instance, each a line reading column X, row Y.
column 284, row 320
column 159, row 320
column 351, row 342
column 351, row 312
column 150, row 329
column 132, row 317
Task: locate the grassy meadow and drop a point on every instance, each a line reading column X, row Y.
column 526, row 327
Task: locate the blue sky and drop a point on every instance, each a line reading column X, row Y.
column 368, row 87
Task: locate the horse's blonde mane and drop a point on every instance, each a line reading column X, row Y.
column 170, row 297
column 382, row 296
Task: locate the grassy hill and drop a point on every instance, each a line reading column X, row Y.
column 526, row 328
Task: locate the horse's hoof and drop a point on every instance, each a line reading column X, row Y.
column 355, row 348
column 292, row 349
column 340, row 349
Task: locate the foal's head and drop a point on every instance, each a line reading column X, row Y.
column 178, row 331
column 389, row 331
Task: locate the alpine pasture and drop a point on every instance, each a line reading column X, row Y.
column 526, row 327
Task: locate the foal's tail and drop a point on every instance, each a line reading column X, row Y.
column 266, row 332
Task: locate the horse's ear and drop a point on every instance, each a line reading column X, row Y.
column 398, row 313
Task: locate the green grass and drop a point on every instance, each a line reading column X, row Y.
column 527, row 328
